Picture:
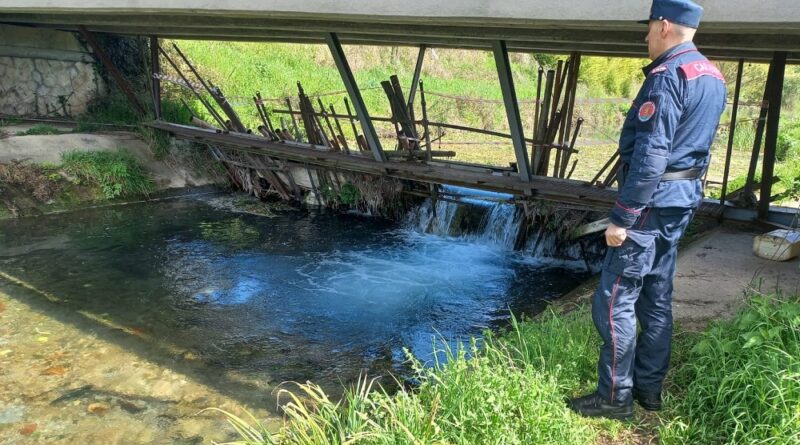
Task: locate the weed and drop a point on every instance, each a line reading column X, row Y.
column 38, row 130
column 116, row 172
column 510, row 387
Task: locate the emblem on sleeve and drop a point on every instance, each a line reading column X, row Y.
column 646, row 111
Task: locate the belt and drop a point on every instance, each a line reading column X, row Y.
column 677, row 175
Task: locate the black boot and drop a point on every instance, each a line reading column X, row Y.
column 595, row 406
column 650, row 401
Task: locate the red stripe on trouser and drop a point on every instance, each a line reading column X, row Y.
column 613, row 339
column 644, row 217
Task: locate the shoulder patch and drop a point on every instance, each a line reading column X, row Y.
column 646, row 111
column 693, row 70
column 659, row 69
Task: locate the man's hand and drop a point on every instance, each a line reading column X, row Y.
column 615, row 235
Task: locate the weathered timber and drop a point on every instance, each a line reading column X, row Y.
column 120, row 79
column 197, row 94
column 731, row 132
column 541, row 187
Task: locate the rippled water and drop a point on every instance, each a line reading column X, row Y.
column 296, row 296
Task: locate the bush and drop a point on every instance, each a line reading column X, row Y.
column 116, row 172
column 789, row 141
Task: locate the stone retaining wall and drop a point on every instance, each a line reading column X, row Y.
column 45, row 73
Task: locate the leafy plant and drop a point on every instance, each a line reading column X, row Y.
column 116, row 172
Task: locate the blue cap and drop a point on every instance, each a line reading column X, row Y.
column 681, row 12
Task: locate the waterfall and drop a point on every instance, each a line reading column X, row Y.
column 488, row 217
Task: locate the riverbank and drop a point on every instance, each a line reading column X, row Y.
column 51, row 168
column 737, row 382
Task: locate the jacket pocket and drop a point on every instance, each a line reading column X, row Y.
column 634, row 258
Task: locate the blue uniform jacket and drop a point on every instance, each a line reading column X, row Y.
column 669, row 127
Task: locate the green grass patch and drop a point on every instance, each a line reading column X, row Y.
column 39, row 129
column 508, row 389
column 117, row 173
column 740, row 382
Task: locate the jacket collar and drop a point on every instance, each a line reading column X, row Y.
column 669, row 54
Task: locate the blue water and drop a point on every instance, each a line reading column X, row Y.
column 296, row 296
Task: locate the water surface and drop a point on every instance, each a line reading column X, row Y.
column 298, row 296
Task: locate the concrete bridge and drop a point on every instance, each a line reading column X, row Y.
column 731, row 28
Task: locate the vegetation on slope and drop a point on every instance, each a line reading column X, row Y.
column 738, row 382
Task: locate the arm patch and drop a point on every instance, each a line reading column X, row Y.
column 694, row 70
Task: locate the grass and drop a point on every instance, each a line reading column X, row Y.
column 117, row 173
column 39, row 129
column 509, row 389
column 738, row 382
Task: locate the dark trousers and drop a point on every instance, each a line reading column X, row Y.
column 636, row 284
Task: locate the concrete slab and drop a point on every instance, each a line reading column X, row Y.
column 714, row 272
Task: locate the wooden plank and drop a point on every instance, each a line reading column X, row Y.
column 119, row 78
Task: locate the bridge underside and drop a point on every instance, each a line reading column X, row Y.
column 732, row 29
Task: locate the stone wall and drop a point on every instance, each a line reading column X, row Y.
column 45, row 73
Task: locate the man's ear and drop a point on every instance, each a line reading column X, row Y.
column 666, row 27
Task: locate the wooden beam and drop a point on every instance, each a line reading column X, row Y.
column 119, row 78
column 155, row 68
column 512, row 108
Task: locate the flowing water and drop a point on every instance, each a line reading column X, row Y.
column 262, row 300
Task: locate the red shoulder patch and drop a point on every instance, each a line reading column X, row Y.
column 693, row 70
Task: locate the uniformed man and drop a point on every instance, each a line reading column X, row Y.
column 665, row 149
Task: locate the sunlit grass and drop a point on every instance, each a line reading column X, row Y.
column 510, row 389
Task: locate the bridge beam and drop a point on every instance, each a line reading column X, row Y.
column 512, row 108
column 771, row 140
column 355, row 96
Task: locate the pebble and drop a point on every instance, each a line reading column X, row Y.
column 11, row 414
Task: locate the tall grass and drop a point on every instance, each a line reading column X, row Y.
column 510, row 390
column 117, row 173
column 740, row 383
